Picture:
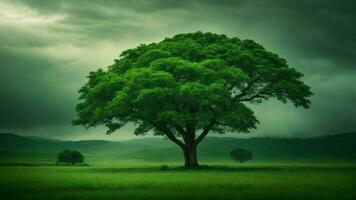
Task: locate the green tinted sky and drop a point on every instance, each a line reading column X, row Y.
column 48, row 47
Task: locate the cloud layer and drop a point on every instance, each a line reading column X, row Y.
column 47, row 49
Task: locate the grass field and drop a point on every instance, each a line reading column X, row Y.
column 151, row 181
column 295, row 169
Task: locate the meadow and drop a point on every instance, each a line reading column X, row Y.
column 144, row 180
column 321, row 168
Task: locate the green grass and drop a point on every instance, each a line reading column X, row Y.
column 31, row 176
column 146, row 181
column 134, row 170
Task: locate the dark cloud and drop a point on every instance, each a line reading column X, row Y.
column 31, row 91
column 48, row 47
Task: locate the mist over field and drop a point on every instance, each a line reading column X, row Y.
column 338, row 148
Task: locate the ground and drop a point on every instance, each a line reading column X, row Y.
column 143, row 180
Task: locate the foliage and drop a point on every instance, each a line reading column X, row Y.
column 188, row 83
column 70, row 156
column 241, row 155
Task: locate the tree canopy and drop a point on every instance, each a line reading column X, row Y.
column 188, row 83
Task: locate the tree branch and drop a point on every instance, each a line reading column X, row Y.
column 169, row 134
column 258, row 95
column 261, row 94
column 245, row 91
column 179, row 129
column 205, row 131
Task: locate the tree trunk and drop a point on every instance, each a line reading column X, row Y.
column 190, row 157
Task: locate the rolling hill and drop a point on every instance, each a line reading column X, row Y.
column 333, row 148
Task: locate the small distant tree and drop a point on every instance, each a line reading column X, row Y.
column 70, row 157
column 241, row 155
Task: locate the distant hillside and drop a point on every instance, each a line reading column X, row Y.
column 333, row 148
column 11, row 143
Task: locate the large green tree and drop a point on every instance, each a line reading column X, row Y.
column 187, row 86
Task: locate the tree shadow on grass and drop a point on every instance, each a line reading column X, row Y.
column 40, row 165
column 202, row 168
column 165, row 168
column 223, row 168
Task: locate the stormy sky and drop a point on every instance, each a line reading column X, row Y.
column 47, row 48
